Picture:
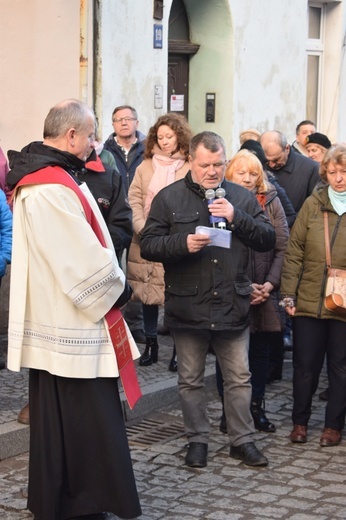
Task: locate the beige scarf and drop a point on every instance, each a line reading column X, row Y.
column 165, row 168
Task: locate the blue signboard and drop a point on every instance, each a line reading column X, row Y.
column 157, row 36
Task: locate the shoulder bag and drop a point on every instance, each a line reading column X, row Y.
column 335, row 295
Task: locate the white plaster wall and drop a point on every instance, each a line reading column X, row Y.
column 131, row 67
column 270, row 65
column 342, row 100
column 332, row 69
column 39, row 60
column 339, row 78
column 211, row 69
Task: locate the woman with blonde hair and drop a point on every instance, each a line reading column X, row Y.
column 266, row 318
column 165, row 161
column 316, row 145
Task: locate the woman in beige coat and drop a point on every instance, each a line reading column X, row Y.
column 165, row 161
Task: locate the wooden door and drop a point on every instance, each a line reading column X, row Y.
column 178, row 83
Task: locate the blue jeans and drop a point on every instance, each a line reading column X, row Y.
column 133, row 315
column 231, row 350
column 150, row 319
column 260, row 345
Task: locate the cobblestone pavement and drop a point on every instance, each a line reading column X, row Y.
column 302, row 482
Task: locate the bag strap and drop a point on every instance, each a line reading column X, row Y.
column 326, row 239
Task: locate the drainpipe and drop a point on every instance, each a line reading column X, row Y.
column 83, row 57
column 97, row 63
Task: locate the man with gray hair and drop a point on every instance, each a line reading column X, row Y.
column 207, row 291
column 66, row 286
column 126, row 144
column 297, row 174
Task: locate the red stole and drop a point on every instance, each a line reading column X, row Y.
column 114, row 318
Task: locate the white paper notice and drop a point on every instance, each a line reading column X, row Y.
column 219, row 237
column 177, row 102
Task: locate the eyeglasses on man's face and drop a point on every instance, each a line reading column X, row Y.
column 127, row 119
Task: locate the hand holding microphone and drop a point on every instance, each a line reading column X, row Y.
column 221, row 210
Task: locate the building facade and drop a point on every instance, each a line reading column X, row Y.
column 227, row 64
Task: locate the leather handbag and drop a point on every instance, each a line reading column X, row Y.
column 335, row 294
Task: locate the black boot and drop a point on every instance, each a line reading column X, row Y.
column 258, row 414
column 154, row 346
column 173, row 366
column 150, row 353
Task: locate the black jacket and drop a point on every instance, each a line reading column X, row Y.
column 209, row 289
column 36, row 156
column 135, row 157
column 285, row 201
column 298, row 178
column 106, row 185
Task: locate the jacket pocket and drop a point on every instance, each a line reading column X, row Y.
column 185, row 218
column 243, row 288
column 185, row 290
column 185, row 222
column 181, row 304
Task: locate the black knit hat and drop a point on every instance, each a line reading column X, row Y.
column 256, row 148
column 318, row 138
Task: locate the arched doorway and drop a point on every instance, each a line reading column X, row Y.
column 180, row 49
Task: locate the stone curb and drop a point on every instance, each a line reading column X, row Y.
column 14, row 437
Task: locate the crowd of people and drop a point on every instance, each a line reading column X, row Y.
column 233, row 250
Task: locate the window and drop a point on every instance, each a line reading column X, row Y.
column 315, row 48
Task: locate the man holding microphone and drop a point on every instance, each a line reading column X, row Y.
column 208, row 291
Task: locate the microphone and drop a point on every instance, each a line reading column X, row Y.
column 210, row 195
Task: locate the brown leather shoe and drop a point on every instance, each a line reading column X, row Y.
column 330, row 437
column 299, row 433
column 23, row 416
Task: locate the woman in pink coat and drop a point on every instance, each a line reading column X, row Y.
column 165, row 161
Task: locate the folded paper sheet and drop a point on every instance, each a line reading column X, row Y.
column 219, row 237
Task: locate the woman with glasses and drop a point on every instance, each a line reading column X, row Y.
column 165, row 161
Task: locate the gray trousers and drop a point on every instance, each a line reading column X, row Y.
column 231, row 349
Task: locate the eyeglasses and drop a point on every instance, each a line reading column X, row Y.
column 126, row 119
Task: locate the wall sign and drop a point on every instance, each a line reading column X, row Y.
column 158, row 96
column 158, row 9
column 158, row 29
column 177, row 102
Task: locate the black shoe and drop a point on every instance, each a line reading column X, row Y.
column 196, row 456
column 324, row 396
column 173, row 365
column 154, row 349
column 249, row 454
column 145, row 359
column 259, row 417
column 150, row 354
column 138, row 335
column 2, row 364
